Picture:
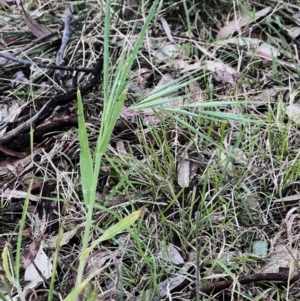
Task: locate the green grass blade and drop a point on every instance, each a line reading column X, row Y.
column 86, row 163
column 122, row 225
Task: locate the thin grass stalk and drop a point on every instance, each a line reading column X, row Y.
column 19, row 244
column 55, row 262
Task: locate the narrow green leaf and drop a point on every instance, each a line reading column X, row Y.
column 20, row 238
column 86, row 163
column 122, row 225
column 75, row 293
column 163, row 94
column 226, row 269
column 5, row 265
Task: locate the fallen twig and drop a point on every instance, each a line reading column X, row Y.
column 276, row 277
column 64, row 42
column 40, row 65
column 48, row 108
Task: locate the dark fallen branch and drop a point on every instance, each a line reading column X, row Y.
column 48, row 108
column 273, row 277
column 53, row 124
column 10, row 125
column 44, row 66
column 60, row 61
column 11, row 152
column 5, row 88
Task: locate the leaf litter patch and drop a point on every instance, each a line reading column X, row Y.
column 208, row 200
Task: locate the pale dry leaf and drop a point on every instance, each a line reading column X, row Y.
column 195, row 66
column 183, row 177
column 18, row 194
column 293, row 32
column 171, row 254
column 293, row 112
column 167, row 29
column 169, row 284
column 282, row 257
column 225, row 77
column 290, row 198
column 165, row 79
column 98, row 259
column 41, row 217
column 212, row 66
column 138, row 83
column 215, row 276
column 266, row 95
column 250, row 45
column 253, row 46
column 235, row 25
column 29, row 253
column 121, row 148
column 195, row 93
column 180, row 64
column 174, row 255
column 43, row 263
column 36, row 28
column 220, row 66
column 296, row 15
column 268, row 50
column 8, row 113
column 289, row 221
column 166, row 51
column 193, row 168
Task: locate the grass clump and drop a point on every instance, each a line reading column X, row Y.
column 168, row 173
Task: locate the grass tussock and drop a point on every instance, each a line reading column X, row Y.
column 175, row 177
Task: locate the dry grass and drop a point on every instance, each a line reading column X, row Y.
column 242, row 177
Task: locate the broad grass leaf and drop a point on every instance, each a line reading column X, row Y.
column 86, row 163
column 122, row 225
column 5, row 265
